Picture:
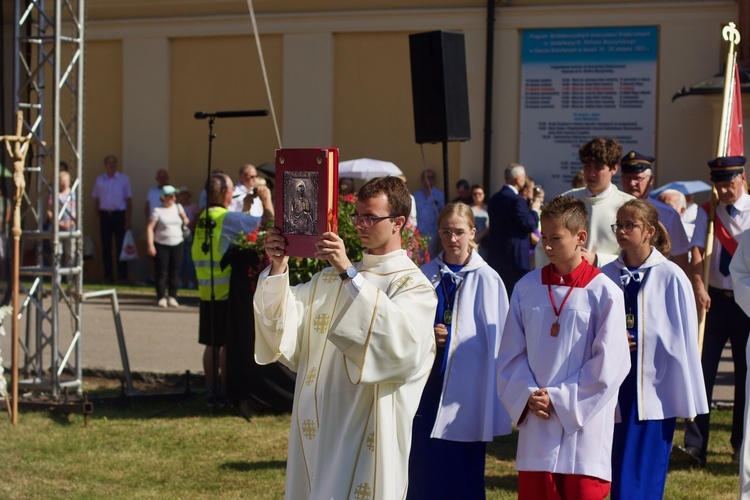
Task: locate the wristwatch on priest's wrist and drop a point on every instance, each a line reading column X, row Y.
column 349, row 273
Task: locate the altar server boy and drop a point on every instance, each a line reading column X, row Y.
column 563, row 356
column 666, row 380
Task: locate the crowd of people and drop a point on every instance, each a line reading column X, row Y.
column 588, row 343
column 178, row 241
column 171, row 215
column 576, row 319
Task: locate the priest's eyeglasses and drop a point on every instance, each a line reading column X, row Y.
column 625, row 228
column 368, row 221
column 449, row 235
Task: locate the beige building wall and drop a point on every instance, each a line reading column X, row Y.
column 220, row 74
column 103, row 128
column 373, row 114
column 308, row 90
column 145, row 117
column 340, row 75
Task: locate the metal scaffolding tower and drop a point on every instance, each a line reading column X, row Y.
column 48, row 89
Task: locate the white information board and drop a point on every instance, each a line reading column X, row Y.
column 577, row 84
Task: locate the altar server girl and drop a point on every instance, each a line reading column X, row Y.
column 665, row 379
column 459, row 411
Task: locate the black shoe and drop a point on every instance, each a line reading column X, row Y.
column 736, row 455
column 215, row 401
column 688, row 455
column 246, row 410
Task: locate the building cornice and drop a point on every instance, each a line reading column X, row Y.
column 409, row 20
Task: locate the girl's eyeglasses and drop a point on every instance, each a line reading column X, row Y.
column 448, row 234
column 625, row 228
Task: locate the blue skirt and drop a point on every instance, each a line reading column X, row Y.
column 441, row 469
column 640, row 449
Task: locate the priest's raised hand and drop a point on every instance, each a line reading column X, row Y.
column 331, row 248
column 274, row 245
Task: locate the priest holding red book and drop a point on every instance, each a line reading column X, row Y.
column 360, row 338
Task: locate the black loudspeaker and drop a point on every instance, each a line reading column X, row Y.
column 439, row 89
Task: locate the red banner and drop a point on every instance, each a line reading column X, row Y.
column 735, row 142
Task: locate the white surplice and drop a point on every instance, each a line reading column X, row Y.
column 361, row 367
column 470, row 409
column 670, row 379
column 739, row 270
column 582, row 369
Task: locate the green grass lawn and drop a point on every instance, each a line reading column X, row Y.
column 719, row 480
column 166, row 450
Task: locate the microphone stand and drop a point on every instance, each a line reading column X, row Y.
column 209, row 226
column 208, row 242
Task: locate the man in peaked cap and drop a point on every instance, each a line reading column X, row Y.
column 724, row 318
column 637, row 179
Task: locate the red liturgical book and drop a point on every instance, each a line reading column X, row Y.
column 306, row 198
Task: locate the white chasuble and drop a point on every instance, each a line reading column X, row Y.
column 361, row 366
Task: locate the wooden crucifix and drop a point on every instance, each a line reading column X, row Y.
column 17, row 147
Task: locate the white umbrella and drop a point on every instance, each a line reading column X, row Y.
column 685, row 187
column 367, row 168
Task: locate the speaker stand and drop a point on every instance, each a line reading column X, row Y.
column 446, row 182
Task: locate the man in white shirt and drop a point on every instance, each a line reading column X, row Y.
column 247, row 185
column 153, row 198
column 677, row 200
column 114, row 208
column 601, row 161
column 724, row 318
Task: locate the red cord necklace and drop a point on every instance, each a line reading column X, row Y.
column 555, row 329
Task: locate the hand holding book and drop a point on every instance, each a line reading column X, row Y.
column 274, row 245
column 331, row 248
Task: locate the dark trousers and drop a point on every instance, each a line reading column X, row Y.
column 509, row 273
column 167, row 265
column 112, row 223
column 510, row 277
column 725, row 320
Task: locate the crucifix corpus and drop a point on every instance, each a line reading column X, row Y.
column 17, row 147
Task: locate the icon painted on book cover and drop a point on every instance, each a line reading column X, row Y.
column 301, row 198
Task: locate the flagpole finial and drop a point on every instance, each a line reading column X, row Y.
column 731, row 34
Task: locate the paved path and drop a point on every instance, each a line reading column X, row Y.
column 166, row 340
column 157, row 340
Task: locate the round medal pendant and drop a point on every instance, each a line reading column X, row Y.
column 447, row 316
column 629, row 321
